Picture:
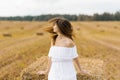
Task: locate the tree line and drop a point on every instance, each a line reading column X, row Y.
column 106, row 16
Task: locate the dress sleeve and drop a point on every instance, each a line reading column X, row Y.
column 75, row 53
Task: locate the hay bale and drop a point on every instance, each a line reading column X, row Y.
column 21, row 28
column 102, row 30
column 39, row 33
column 78, row 28
column 7, row 27
column 98, row 25
column 6, row 34
column 115, row 27
column 93, row 66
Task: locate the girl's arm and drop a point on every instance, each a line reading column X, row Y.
column 49, row 60
column 78, row 64
column 49, row 65
column 47, row 69
column 80, row 69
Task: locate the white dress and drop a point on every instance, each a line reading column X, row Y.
column 62, row 67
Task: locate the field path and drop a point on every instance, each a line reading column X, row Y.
column 87, row 35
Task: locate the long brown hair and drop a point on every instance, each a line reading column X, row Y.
column 64, row 26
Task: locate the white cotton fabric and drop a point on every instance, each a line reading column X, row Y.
column 62, row 67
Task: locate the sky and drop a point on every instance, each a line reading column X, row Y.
column 38, row 7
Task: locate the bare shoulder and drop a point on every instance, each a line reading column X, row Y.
column 68, row 42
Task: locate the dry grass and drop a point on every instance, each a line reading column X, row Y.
column 24, row 47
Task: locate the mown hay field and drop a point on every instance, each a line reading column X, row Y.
column 23, row 42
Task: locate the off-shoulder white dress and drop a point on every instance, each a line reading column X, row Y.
column 62, row 67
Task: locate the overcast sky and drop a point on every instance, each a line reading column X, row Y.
column 38, row 7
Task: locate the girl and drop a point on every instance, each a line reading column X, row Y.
column 62, row 52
